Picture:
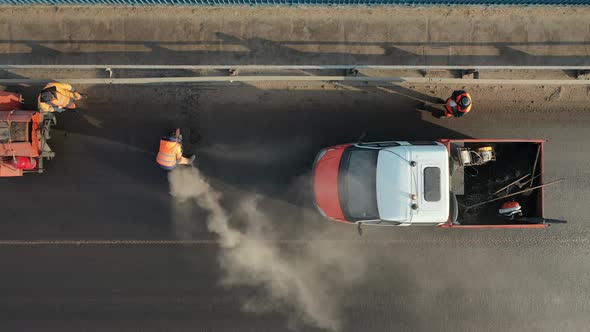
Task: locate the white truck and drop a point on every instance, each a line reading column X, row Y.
column 453, row 183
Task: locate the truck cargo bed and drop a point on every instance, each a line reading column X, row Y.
column 479, row 183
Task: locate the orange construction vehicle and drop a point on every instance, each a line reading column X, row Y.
column 23, row 137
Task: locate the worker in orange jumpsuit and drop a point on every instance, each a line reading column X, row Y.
column 57, row 97
column 458, row 104
column 170, row 154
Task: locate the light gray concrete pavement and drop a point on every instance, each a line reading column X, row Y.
column 261, row 140
column 380, row 35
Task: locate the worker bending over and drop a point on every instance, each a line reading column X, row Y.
column 170, row 154
column 458, row 104
column 57, row 97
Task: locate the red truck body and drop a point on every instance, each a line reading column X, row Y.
column 23, row 136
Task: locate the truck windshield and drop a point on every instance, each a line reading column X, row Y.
column 357, row 183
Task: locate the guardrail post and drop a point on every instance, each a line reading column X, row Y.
column 470, row 73
column 583, row 74
column 352, row 72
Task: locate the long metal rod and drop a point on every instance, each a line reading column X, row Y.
column 514, row 194
column 535, row 164
column 511, row 184
column 531, row 181
column 294, row 67
column 231, row 79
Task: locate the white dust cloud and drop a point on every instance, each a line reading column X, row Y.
column 306, row 284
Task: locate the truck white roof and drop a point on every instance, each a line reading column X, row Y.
column 398, row 180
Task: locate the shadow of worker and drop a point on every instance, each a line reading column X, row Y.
column 435, row 110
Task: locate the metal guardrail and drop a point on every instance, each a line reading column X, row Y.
column 295, row 67
column 295, row 2
column 245, row 79
column 301, row 73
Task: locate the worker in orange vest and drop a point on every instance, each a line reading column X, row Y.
column 458, row 104
column 57, row 97
column 170, row 154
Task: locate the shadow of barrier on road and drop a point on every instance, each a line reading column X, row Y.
column 224, row 48
column 259, row 139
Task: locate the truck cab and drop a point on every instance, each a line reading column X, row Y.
column 384, row 183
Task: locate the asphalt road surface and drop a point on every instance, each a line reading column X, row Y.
column 260, row 141
column 104, row 185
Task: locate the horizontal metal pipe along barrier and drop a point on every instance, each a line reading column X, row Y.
column 295, row 67
column 232, row 79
